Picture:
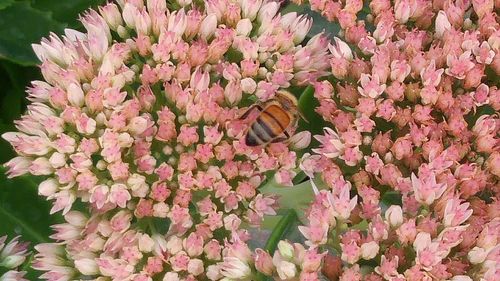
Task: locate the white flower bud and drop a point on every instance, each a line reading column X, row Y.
column 477, row 255
column 394, row 215
column 48, row 187
column 195, row 267
column 285, row 249
column 137, row 125
column 300, row 140
column 171, row 276
column 87, row 266
column 442, row 24
column 244, row 27
column 174, row 245
column 146, row 243
column 286, row 270
column 248, row 85
column 75, row 95
column 57, row 160
column 208, row 26
column 369, row 250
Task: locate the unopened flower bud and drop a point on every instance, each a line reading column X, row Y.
column 111, row 15
column 248, row 85
column 369, row 250
column 146, row 243
column 264, row 262
column 75, row 95
column 87, row 266
column 137, row 125
column 48, row 187
column 442, row 24
column 208, row 26
column 57, row 160
column 286, row 270
column 300, row 140
column 285, row 249
column 477, row 255
column 244, row 27
column 12, row 261
column 394, row 215
column 101, row 165
column 171, row 276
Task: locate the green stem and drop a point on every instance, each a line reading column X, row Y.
column 278, row 232
column 27, row 263
column 30, row 231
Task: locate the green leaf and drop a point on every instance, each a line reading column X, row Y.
column 6, row 3
column 307, row 104
column 6, row 152
column 14, row 79
column 23, row 211
column 20, row 26
column 297, row 197
column 66, row 11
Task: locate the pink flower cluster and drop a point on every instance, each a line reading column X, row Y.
column 139, row 119
column 411, row 154
column 12, row 257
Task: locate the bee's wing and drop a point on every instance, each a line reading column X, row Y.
column 302, row 115
column 249, row 110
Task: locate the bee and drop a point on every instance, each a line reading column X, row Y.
column 275, row 117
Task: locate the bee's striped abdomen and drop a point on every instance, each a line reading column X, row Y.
column 271, row 123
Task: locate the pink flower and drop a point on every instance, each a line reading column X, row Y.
column 458, row 67
column 428, row 253
column 370, row 86
column 456, row 213
column 442, row 24
column 234, row 268
column 340, row 49
column 407, row 232
column 263, row 262
column 341, row 201
column 431, row 76
column 399, row 70
column 388, row 267
column 332, row 146
column 426, row 189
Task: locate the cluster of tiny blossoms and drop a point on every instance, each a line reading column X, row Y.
column 12, row 257
column 139, row 119
column 411, row 155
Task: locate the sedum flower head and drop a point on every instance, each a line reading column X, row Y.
column 139, row 118
column 412, row 126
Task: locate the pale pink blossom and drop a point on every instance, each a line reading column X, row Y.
column 427, row 189
column 332, row 146
column 371, row 86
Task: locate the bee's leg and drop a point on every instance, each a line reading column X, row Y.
column 279, row 139
column 282, row 138
column 249, row 110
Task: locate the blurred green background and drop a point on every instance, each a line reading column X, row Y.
column 22, row 211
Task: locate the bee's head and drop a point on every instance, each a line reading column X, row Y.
column 287, row 100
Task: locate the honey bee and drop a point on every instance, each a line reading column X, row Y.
column 275, row 117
